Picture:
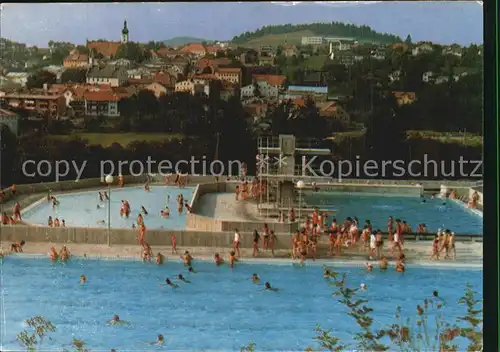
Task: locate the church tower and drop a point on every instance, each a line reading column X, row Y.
column 124, row 33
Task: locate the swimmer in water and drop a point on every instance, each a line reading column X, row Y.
column 267, row 287
column 143, row 210
column 383, row 263
column 255, row 278
column 160, row 258
column 83, row 279
column 101, row 222
column 232, row 259
column 182, row 278
column 159, row 340
column 217, row 259
column 363, row 287
column 326, row 274
column 191, row 270
column 368, row 267
column 170, row 283
column 116, row 321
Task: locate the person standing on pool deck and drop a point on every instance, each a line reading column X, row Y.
column 272, row 241
column 266, row 237
column 397, row 237
column 17, row 246
column 173, row 239
column 256, row 238
column 17, row 212
column 373, row 245
column 435, row 248
column 236, row 242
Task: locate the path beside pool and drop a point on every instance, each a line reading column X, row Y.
column 468, row 253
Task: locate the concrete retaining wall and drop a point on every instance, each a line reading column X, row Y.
column 129, row 237
column 400, row 190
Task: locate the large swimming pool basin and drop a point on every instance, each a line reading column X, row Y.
column 81, row 209
column 219, row 310
column 435, row 213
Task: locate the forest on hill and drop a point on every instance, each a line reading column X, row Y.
column 337, row 29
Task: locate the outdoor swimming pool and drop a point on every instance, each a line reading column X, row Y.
column 80, row 209
column 377, row 209
column 219, row 310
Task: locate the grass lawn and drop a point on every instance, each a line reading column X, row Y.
column 467, row 139
column 124, row 139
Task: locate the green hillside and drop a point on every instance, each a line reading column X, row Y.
column 293, row 34
column 178, row 41
column 278, row 39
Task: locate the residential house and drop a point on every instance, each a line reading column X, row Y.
column 266, row 60
column 105, row 48
column 422, row 49
column 228, row 90
column 112, row 75
column 121, row 63
column 273, row 80
column 56, row 70
column 190, row 87
column 138, row 73
column 196, row 49
column 341, row 44
column 395, row 76
column 233, row 75
column 101, row 103
column 157, row 89
column 318, row 94
column 290, row 50
column 175, row 70
column 266, row 50
column 441, row 79
column 256, row 110
column 10, row 120
column 344, row 58
column 404, row 98
column 169, row 53
column 213, row 63
column 47, row 105
column 20, row 78
column 333, row 110
column 428, row 76
column 76, row 60
column 167, row 80
column 312, row 40
column 455, row 50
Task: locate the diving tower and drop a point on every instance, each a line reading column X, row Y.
column 280, row 165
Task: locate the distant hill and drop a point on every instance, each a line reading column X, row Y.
column 274, row 35
column 178, row 41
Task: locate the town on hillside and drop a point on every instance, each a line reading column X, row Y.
column 345, row 83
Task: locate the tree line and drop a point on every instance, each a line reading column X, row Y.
column 336, row 29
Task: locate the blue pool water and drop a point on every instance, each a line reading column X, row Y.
column 219, row 310
column 80, row 209
column 377, row 209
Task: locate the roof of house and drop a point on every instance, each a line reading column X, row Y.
column 211, row 49
column 273, row 80
column 202, row 63
column 229, row 70
column 101, row 96
column 194, row 48
column 308, row 89
column 7, row 113
column 77, row 57
column 33, row 96
column 108, row 71
column 402, row 94
column 140, row 81
column 328, row 108
column 205, row 76
column 104, row 47
column 164, row 78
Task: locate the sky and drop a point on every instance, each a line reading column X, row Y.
column 442, row 22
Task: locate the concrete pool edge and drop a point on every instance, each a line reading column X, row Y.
column 266, row 261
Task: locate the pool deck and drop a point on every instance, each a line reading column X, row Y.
column 468, row 254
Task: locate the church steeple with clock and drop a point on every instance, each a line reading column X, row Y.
column 125, row 33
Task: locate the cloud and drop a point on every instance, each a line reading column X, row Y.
column 326, row 3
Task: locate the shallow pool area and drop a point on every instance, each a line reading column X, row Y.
column 221, row 309
column 84, row 209
column 435, row 213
